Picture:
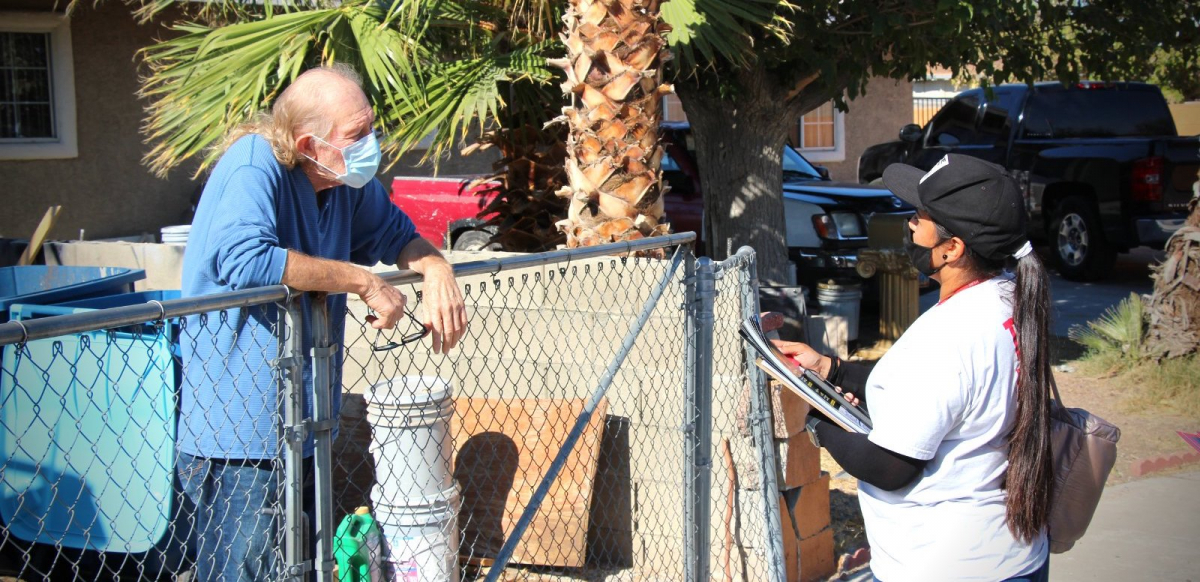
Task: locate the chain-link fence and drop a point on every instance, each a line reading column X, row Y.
column 596, row 422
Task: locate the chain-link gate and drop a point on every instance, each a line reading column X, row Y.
column 133, row 435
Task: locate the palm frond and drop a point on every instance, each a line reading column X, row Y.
column 206, row 81
column 215, row 11
column 445, row 99
column 1120, row 330
column 705, row 30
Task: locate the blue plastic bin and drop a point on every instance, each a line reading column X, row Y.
column 88, row 432
column 45, row 285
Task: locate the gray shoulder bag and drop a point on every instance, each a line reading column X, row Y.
column 1084, row 449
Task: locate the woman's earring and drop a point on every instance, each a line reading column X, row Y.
column 944, row 257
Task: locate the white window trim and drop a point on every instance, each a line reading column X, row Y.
column 835, row 154
column 62, row 74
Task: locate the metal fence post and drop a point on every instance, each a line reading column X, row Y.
column 689, row 419
column 291, row 366
column 322, row 427
column 761, row 428
column 702, row 291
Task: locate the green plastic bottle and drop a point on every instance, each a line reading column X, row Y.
column 356, row 547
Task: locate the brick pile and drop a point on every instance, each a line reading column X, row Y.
column 804, row 495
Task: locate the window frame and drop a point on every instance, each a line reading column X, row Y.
column 837, row 153
column 62, row 83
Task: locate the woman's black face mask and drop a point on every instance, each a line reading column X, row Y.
column 921, row 257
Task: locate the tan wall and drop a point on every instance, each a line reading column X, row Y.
column 104, row 190
column 1187, row 117
column 873, row 118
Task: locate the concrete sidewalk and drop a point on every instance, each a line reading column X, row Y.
column 1143, row 530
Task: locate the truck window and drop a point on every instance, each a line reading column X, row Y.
column 955, row 123
column 1007, row 99
column 1108, row 112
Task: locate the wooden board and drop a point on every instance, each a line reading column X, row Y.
column 503, row 448
column 39, row 235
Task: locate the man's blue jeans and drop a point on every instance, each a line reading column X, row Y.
column 237, row 534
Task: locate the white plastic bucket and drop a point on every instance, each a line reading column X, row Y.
column 421, row 538
column 410, row 441
column 176, row 235
column 844, row 300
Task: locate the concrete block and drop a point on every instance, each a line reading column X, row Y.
column 805, row 510
column 481, row 377
column 658, row 507
column 799, row 461
column 362, row 367
column 658, row 557
column 657, row 453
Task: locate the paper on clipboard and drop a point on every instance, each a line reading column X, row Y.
column 807, row 384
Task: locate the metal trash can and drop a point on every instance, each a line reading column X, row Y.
column 843, row 299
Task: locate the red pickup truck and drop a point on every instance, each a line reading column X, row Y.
column 826, row 221
column 444, row 210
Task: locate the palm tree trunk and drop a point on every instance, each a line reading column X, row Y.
column 615, row 50
column 1174, row 309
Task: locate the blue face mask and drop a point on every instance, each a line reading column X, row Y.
column 361, row 159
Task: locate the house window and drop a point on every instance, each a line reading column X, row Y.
column 821, row 134
column 673, row 109
column 816, row 129
column 25, row 107
column 37, row 88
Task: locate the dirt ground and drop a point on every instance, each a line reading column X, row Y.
column 1147, row 430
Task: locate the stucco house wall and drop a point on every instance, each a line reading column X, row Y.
column 104, row 189
column 873, row 118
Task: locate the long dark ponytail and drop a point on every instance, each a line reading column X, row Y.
column 1029, row 480
column 1030, row 476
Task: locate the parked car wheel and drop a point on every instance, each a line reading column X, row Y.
column 1077, row 242
column 475, row 240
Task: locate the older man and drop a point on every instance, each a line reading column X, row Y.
column 293, row 200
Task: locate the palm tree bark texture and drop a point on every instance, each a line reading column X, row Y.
column 615, row 50
column 1174, row 309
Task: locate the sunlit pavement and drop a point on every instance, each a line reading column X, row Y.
column 1078, row 303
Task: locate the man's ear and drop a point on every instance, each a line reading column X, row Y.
column 306, row 145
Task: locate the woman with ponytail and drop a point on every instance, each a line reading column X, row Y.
column 955, row 476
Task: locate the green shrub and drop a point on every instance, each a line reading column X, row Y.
column 1113, row 341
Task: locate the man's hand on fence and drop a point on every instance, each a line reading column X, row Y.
column 444, row 308
column 386, row 301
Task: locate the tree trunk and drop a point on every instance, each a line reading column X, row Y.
column 1174, row 309
column 739, row 149
column 615, row 50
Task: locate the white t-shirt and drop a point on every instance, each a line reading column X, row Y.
column 946, row 393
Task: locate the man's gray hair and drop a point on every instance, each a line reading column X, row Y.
column 292, row 111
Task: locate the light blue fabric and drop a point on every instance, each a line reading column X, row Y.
column 253, row 210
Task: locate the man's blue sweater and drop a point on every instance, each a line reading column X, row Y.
column 253, row 210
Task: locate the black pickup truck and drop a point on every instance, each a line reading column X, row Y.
column 1101, row 165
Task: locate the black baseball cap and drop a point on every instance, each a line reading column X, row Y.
column 974, row 199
